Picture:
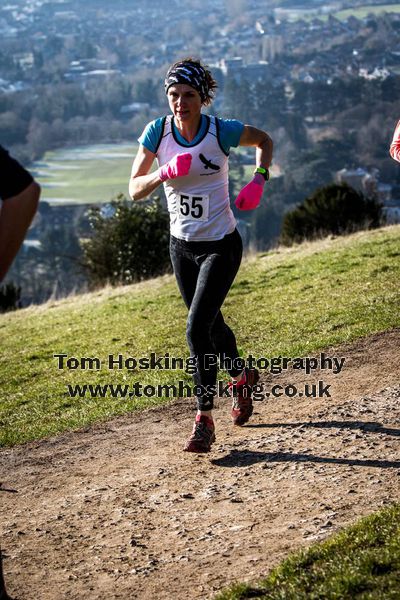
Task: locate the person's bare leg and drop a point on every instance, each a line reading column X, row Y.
column 16, row 215
column 206, row 413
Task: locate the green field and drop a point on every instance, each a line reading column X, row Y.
column 90, row 174
column 360, row 12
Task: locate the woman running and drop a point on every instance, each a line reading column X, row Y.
column 192, row 151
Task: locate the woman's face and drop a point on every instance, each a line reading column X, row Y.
column 184, row 102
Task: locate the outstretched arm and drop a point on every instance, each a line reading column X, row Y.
column 16, row 215
column 395, row 145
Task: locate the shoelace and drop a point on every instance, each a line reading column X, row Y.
column 201, row 431
column 241, row 402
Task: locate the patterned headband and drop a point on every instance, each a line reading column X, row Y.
column 191, row 74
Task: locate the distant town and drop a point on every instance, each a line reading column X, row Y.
column 322, row 79
column 96, row 40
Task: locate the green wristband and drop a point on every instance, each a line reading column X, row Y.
column 264, row 172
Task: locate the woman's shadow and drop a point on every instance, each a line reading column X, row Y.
column 244, row 458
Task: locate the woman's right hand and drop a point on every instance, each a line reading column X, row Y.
column 178, row 166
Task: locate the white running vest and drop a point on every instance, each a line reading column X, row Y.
column 198, row 203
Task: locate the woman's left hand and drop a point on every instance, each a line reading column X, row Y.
column 249, row 197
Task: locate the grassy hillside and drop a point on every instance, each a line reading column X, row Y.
column 361, row 562
column 288, row 302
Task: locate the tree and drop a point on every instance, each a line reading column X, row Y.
column 10, row 297
column 60, row 256
column 333, row 209
column 270, row 101
column 239, row 100
column 128, row 244
column 12, row 129
column 146, row 90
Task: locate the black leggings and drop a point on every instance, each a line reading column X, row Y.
column 205, row 272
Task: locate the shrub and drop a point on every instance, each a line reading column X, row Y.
column 333, row 209
column 10, row 297
column 129, row 242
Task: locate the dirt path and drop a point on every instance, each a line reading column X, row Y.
column 118, row 511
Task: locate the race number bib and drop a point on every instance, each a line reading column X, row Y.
column 193, row 207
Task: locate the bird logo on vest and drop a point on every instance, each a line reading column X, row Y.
column 208, row 164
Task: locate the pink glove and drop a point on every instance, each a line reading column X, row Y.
column 178, row 166
column 249, row 197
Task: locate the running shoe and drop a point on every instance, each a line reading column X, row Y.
column 203, row 435
column 242, row 405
